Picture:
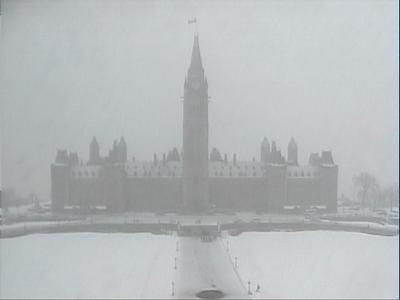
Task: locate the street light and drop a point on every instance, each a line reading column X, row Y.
column 236, row 264
column 248, row 291
column 175, row 263
column 173, row 290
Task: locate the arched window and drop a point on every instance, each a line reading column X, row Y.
column 308, row 174
column 86, row 173
column 302, row 173
column 295, row 173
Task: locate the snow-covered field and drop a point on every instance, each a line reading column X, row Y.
column 286, row 265
column 87, row 265
column 318, row 264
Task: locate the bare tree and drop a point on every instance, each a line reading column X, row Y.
column 365, row 183
column 391, row 194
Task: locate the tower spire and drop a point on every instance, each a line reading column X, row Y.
column 195, row 62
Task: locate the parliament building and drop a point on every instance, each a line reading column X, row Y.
column 194, row 180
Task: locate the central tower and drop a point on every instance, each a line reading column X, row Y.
column 195, row 135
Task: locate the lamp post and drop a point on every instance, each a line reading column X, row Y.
column 248, row 286
column 173, row 289
column 175, row 263
column 236, row 264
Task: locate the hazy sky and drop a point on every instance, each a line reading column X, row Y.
column 324, row 72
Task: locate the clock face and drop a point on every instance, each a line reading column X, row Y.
column 195, row 84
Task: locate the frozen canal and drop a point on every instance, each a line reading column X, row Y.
column 285, row 265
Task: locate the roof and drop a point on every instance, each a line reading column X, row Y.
column 216, row 169
column 195, row 61
column 86, row 171
column 307, row 171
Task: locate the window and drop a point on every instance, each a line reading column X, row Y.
column 302, row 173
column 86, row 173
column 308, row 174
column 93, row 174
column 295, row 173
column 290, row 174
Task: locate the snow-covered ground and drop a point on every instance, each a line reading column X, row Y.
column 319, row 264
column 87, row 265
column 286, row 265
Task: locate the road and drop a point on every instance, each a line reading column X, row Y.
column 206, row 265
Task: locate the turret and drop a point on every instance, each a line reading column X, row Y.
column 94, row 152
column 265, row 151
column 122, row 151
column 314, row 159
column 62, row 157
column 292, row 152
column 326, row 158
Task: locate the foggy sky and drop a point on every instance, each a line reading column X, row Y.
column 324, row 72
